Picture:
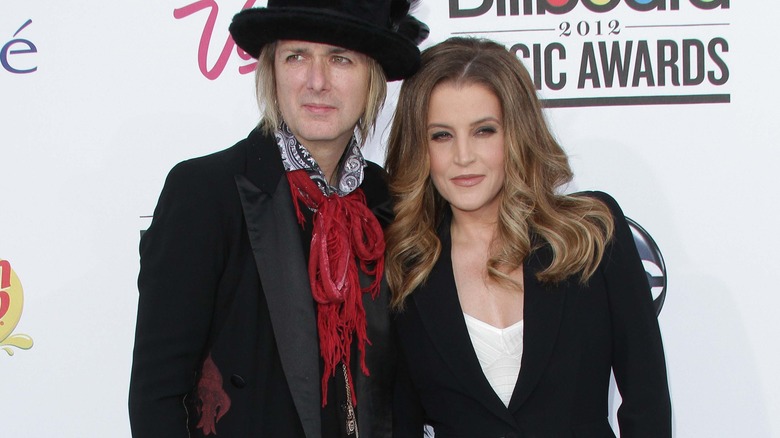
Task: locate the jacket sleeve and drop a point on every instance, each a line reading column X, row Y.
column 182, row 256
column 638, row 357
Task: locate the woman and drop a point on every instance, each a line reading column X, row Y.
column 514, row 301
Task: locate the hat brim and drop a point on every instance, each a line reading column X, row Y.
column 254, row 28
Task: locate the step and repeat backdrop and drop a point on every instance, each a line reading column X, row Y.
column 669, row 105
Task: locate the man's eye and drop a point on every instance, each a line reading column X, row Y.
column 341, row 60
column 294, row 58
column 486, row 130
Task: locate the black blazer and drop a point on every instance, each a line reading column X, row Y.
column 223, row 272
column 573, row 336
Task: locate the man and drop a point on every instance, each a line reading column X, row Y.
column 261, row 312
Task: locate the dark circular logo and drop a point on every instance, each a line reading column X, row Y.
column 653, row 261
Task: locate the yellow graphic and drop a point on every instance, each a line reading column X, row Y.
column 11, row 301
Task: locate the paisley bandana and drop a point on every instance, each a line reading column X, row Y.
column 295, row 156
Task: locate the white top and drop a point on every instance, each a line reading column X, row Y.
column 499, row 352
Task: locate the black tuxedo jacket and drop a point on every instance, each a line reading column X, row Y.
column 573, row 336
column 223, row 273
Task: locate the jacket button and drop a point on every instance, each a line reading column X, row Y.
column 237, row 381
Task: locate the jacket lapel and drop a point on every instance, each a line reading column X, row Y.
column 443, row 320
column 543, row 310
column 274, row 235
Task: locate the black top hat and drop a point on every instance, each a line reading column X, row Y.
column 380, row 29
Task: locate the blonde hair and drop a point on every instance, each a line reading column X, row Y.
column 265, row 86
column 531, row 212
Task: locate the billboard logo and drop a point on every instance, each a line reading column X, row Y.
column 559, row 7
column 653, row 261
column 11, row 303
column 611, row 52
column 215, row 70
column 12, row 53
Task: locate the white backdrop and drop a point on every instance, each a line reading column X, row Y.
column 101, row 99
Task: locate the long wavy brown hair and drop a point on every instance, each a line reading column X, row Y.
column 532, row 211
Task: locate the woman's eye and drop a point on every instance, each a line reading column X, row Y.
column 441, row 135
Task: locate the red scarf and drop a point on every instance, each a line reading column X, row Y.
column 346, row 233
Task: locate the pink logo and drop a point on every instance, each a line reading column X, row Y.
column 208, row 33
